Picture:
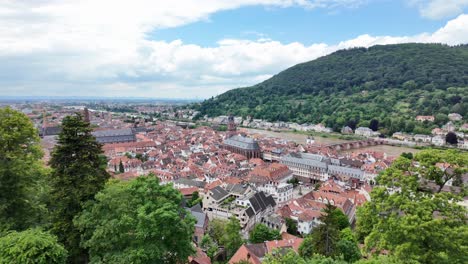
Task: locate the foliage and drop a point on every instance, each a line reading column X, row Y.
column 261, row 233
column 233, row 239
column 31, row 246
column 339, row 219
column 391, row 84
column 289, row 257
column 451, row 138
column 209, row 246
column 325, row 236
column 306, row 248
column 407, row 155
column 349, row 250
column 196, row 199
column 121, row 167
column 411, row 221
column 433, row 166
column 139, row 221
column 381, row 259
column 78, row 174
column 21, row 172
column 217, row 231
column 291, row 226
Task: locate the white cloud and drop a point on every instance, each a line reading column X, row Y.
column 100, row 48
column 437, row 9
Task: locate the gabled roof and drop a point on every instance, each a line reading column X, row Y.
column 242, row 142
column 260, row 202
column 218, row 193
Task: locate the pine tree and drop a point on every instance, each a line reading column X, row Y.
column 121, row 167
column 77, row 176
column 327, row 234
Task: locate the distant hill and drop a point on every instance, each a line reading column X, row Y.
column 390, row 83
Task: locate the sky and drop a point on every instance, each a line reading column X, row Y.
column 196, row 48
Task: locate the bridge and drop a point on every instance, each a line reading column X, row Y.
column 353, row 144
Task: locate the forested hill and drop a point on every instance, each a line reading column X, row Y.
column 391, row 83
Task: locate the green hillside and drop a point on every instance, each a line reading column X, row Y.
column 391, row 83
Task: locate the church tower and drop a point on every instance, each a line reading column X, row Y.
column 232, row 128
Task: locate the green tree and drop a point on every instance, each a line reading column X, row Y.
column 451, row 138
column 77, row 176
column 349, row 250
column 217, row 231
column 233, row 237
column 278, row 257
column 306, row 248
column 291, row 225
column 327, row 234
column 261, row 233
column 139, row 221
column 196, row 199
column 407, row 155
column 434, row 166
column 21, row 171
column 412, row 222
column 339, row 219
column 209, row 246
column 121, row 167
column 32, row 246
column 347, row 234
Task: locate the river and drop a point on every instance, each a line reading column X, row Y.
column 301, row 139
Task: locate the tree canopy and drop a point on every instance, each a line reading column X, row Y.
column 32, row 246
column 410, row 220
column 21, row 172
column 77, row 175
column 261, row 233
column 140, row 221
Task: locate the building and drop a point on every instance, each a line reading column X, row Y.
column 438, row 140
column 345, row 173
column 273, row 180
column 308, row 168
column 255, row 253
column 346, row 130
column 115, row 135
column 365, row 131
column 422, row 138
column 245, row 146
column 455, row 117
column 202, row 223
column 421, row 118
column 248, row 207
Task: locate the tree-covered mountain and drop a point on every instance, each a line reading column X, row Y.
column 391, row 83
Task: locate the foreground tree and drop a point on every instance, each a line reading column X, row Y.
column 31, row 246
column 278, row 257
column 261, row 233
column 20, row 171
column 139, row 221
column 412, row 222
column 233, row 239
column 77, row 176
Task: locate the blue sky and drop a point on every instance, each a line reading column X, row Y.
column 196, row 48
column 306, row 26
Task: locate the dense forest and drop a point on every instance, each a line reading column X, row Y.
column 391, row 83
